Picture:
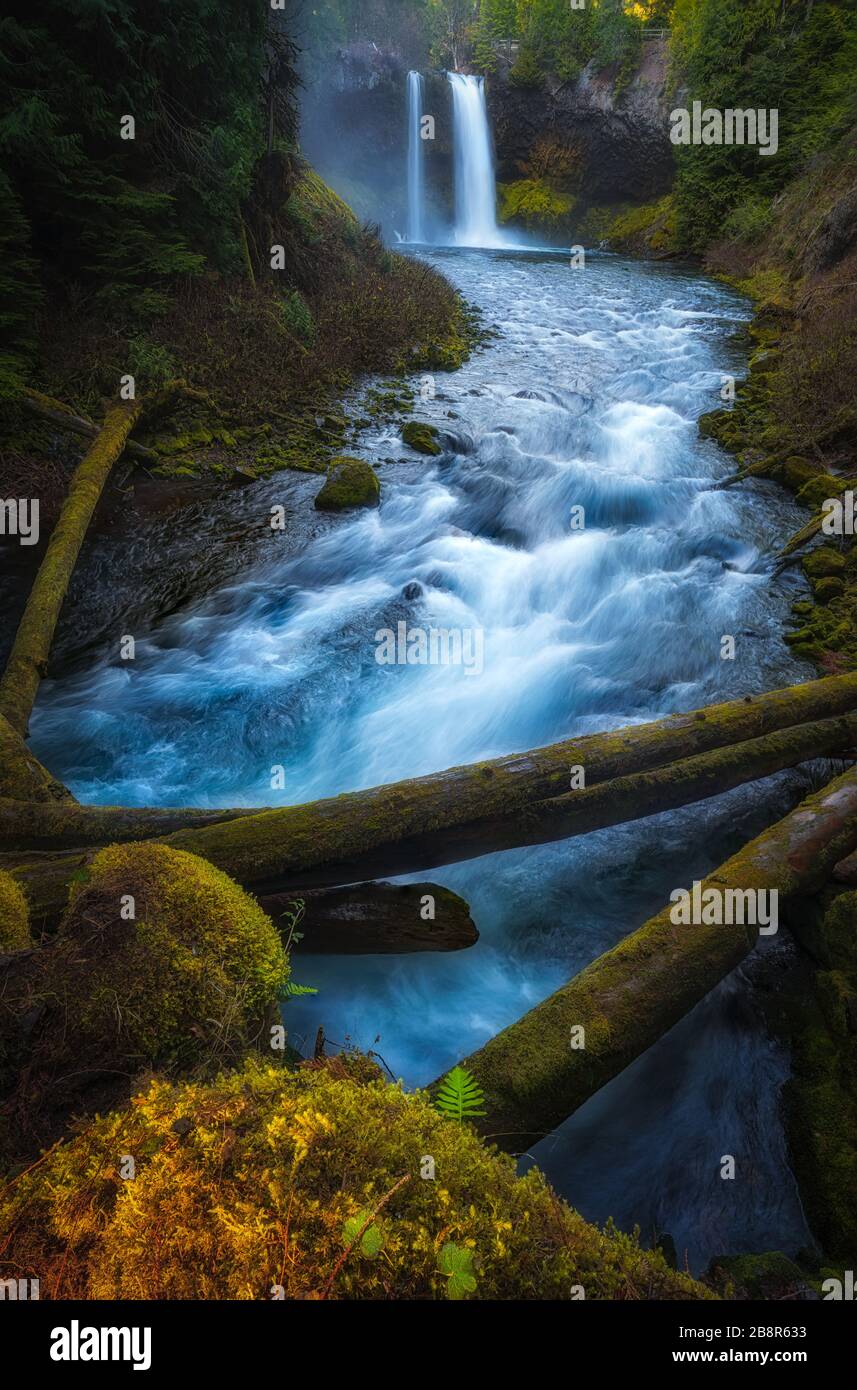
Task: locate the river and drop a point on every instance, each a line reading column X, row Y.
column 587, row 397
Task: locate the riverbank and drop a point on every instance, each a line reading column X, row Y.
column 792, row 420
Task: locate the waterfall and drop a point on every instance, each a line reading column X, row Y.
column 415, row 158
column 475, row 189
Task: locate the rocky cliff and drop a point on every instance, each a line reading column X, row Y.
column 573, row 145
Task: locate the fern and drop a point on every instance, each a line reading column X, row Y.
column 291, row 990
column 459, row 1096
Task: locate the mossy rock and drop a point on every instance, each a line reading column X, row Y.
column 14, row 916
column 421, row 437
column 818, row 490
column 224, row 1169
column 823, row 562
column 350, row 483
column 795, row 472
column 768, row 1276
column 828, row 588
column 195, row 969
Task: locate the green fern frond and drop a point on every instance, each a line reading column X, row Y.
column 291, row 990
column 459, row 1096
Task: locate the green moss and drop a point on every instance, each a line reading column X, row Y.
column 827, row 589
column 350, row 483
column 795, row 472
column 534, row 202
column 14, row 916
column 768, row 1276
column 647, row 229
column 194, row 968
column 251, row 1182
column 421, row 437
column 824, row 561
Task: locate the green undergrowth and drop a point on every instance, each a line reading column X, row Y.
column 320, row 1182
column 275, row 356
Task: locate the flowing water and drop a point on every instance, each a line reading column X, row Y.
column 416, row 176
column 587, row 397
column 475, row 188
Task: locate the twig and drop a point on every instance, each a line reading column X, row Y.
column 366, row 1224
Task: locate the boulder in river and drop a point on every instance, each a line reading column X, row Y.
column 350, row 483
column 421, row 437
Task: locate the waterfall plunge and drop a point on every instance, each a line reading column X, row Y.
column 475, row 189
column 416, row 231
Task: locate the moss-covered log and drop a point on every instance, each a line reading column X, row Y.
column 390, row 830
column 532, row 1074
column 28, row 659
column 379, row 918
column 468, row 811
column 802, row 537
column 23, row 780
column 64, row 418
column 31, row 825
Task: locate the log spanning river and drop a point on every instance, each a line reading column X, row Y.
column 586, row 398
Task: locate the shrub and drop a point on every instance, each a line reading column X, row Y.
column 150, row 363
column 297, row 317
column 750, row 220
column 267, row 1177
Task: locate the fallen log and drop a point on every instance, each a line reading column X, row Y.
column 63, row 417
column 532, row 1075
column 28, row 659
column 474, row 810
column 379, row 919
column 31, row 825
column 445, row 802
column 801, row 537
column 23, row 778
column 392, row 830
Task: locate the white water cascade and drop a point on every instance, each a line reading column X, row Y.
column 475, row 187
column 416, row 193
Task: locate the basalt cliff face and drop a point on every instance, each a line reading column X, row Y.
column 617, row 139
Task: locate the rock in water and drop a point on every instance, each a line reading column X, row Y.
column 350, row 483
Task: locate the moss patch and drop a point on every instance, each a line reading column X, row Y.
column 422, row 437
column 14, row 917
column 646, row 230
column 265, row 1177
column 535, row 203
column 350, row 483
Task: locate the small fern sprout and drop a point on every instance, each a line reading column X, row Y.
column 459, row 1096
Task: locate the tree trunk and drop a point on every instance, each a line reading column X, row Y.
column 465, row 813
column 532, row 1075
column 28, row 659
column 29, row 825
column 23, row 778
column 56, row 413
